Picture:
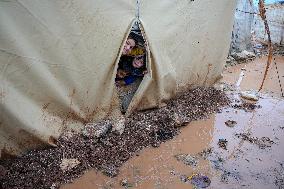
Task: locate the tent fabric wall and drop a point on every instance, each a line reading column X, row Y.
column 58, row 60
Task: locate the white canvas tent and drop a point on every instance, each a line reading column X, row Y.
column 58, row 59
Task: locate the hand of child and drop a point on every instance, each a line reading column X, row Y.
column 145, row 72
column 120, row 83
column 121, row 74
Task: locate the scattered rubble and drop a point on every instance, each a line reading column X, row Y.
column 246, row 106
column 103, row 149
column 262, row 143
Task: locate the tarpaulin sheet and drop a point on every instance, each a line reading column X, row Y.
column 58, row 59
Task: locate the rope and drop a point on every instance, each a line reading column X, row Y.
column 278, row 77
column 137, row 11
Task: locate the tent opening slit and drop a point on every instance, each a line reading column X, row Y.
column 132, row 66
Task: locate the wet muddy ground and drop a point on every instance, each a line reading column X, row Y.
column 255, row 138
column 103, row 147
column 240, row 146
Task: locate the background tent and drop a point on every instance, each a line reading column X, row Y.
column 58, row 59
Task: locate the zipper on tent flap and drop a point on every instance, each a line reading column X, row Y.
column 132, row 64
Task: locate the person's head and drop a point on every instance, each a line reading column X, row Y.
column 128, row 46
column 138, row 61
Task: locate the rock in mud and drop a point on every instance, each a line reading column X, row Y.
column 222, row 143
column 231, row 123
column 250, row 95
column 68, row 164
column 119, row 125
column 98, row 129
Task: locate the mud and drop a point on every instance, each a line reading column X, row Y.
column 242, row 165
column 253, row 75
column 109, row 152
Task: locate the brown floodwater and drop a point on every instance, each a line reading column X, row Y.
column 253, row 75
column 242, row 165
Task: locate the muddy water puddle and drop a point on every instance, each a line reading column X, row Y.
column 253, row 157
column 243, row 165
column 253, row 75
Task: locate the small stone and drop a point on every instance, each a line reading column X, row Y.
column 119, row 125
column 250, row 95
column 98, row 129
column 68, row 164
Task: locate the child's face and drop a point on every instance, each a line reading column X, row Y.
column 128, row 46
column 138, row 62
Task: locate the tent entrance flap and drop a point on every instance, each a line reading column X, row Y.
column 132, row 66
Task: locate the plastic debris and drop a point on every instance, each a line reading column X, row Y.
column 200, row 181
